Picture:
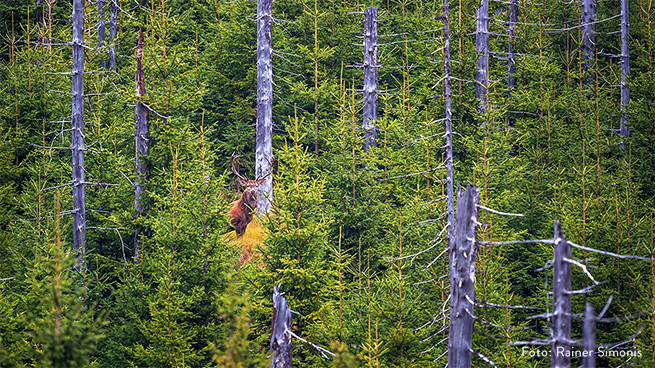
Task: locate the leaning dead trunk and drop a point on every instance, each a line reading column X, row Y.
column 264, row 102
column 141, row 139
column 370, row 77
column 77, row 145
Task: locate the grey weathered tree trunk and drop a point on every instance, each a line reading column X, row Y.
column 511, row 53
column 624, row 129
column 462, row 255
column 482, row 51
column 588, row 45
column 281, row 346
column 113, row 19
column 101, row 27
column 77, row 144
column 449, row 126
column 141, row 143
column 589, row 337
column 264, row 103
column 370, row 111
column 561, row 326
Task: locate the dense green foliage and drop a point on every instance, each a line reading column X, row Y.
column 339, row 215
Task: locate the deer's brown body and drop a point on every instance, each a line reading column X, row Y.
column 244, row 209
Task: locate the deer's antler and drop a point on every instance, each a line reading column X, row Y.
column 270, row 168
column 234, row 157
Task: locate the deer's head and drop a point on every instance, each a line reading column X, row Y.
column 242, row 212
column 250, row 194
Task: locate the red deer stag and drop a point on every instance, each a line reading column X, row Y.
column 243, row 210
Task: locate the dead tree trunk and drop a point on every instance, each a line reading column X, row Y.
column 449, row 126
column 463, row 253
column 101, row 28
column 560, row 345
column 113, row 19
column 264, row 103
column 281, row 337
column 77, row 144
column 511, row 51
column 588, row 24
column 141, row 144
column 482, row 51
column 370, row 111
column 624, row 129
column 589, row 338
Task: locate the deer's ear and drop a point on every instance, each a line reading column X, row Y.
column 243, row 182
column 260, row 181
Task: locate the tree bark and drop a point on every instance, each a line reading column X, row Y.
column 589, row 337
column 264, row 155
column 77, row 144
column 281, row 345
column 624, row 129
column 462, row 254
column 141, row 143
column 482, row 51
column 588, row 24
column 370, row 112
column 560, row 346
